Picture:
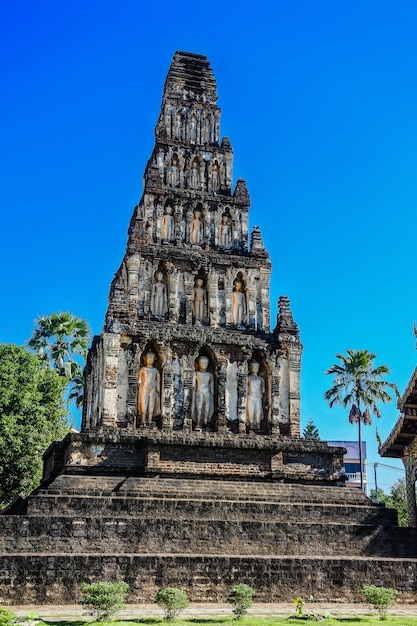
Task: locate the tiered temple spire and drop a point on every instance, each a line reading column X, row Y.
column 187, row 343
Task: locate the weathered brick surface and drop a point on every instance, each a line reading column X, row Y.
column 201, row 535
column 56, row 579
column 215, row 536
column 189, row 507
column 170, row 453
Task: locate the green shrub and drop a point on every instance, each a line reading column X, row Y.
column 32, row 617
column 6, row 617
column 381, row 598
column 172, row 601
column 241, row 597
column 103, row 600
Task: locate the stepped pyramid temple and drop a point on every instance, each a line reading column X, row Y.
column 189, row 470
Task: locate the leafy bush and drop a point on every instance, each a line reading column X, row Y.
column 241, row 597
column 6, row 617
column 381, row 598
column 32, row 617
column 103, row 600
column 173, row 601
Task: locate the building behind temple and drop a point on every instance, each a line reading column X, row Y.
column 352, row 464
column 189, row 470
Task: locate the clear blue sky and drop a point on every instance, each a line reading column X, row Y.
column 319, row 100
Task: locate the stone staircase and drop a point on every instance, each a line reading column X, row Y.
column 202, row 535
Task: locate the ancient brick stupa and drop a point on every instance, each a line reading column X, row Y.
column 186, row 357
column 189, row 469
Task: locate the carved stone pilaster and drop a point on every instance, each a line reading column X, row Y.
column 242, row 389
column 133, row 263
column 188, row 395
column 221, row 397
column 275, row 394
column 410, row 465
column 111, row 344
column 167, row 417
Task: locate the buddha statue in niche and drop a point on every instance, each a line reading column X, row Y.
column 225, row 233
column 215, row 178
column 175, row 175
column 160, row 161
column 177, row 127
column 194, row 176
column 159, row 298
column 168, row 225
column 149, row 382
column 199, row 301
column 238, row 304
column 197, row 229
column 255, row 395
column 193, row 129
column 203, row 394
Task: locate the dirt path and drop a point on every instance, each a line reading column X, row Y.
column 211, row 610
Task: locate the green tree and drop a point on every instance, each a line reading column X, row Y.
column 360, row 384
column 33, row 413
column 173, row 601
column 103, row 600
column 396, row 499
column 311, row 431
column 241, row 596
column 62, row 339
column 381, row 598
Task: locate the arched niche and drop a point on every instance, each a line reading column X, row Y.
column 195, row 173
column 174, row 174
column 225, row 231
column 201, row 300
column 258, row 394
column 197, row 226
column 215, row 172
column 177, row 125
column 240, row 303
column 204, row 399
column 168, row 222
column 150, row 387
column 159, row 293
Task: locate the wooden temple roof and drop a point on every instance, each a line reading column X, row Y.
column 405, row 429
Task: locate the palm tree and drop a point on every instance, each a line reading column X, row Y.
column 360, row 384
column 59, row 338
column 62, row 340
column 76, row 393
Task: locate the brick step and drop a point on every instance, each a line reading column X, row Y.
column 108, row 535
column 203, row 489
column 46, row 504
column 56, row 578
